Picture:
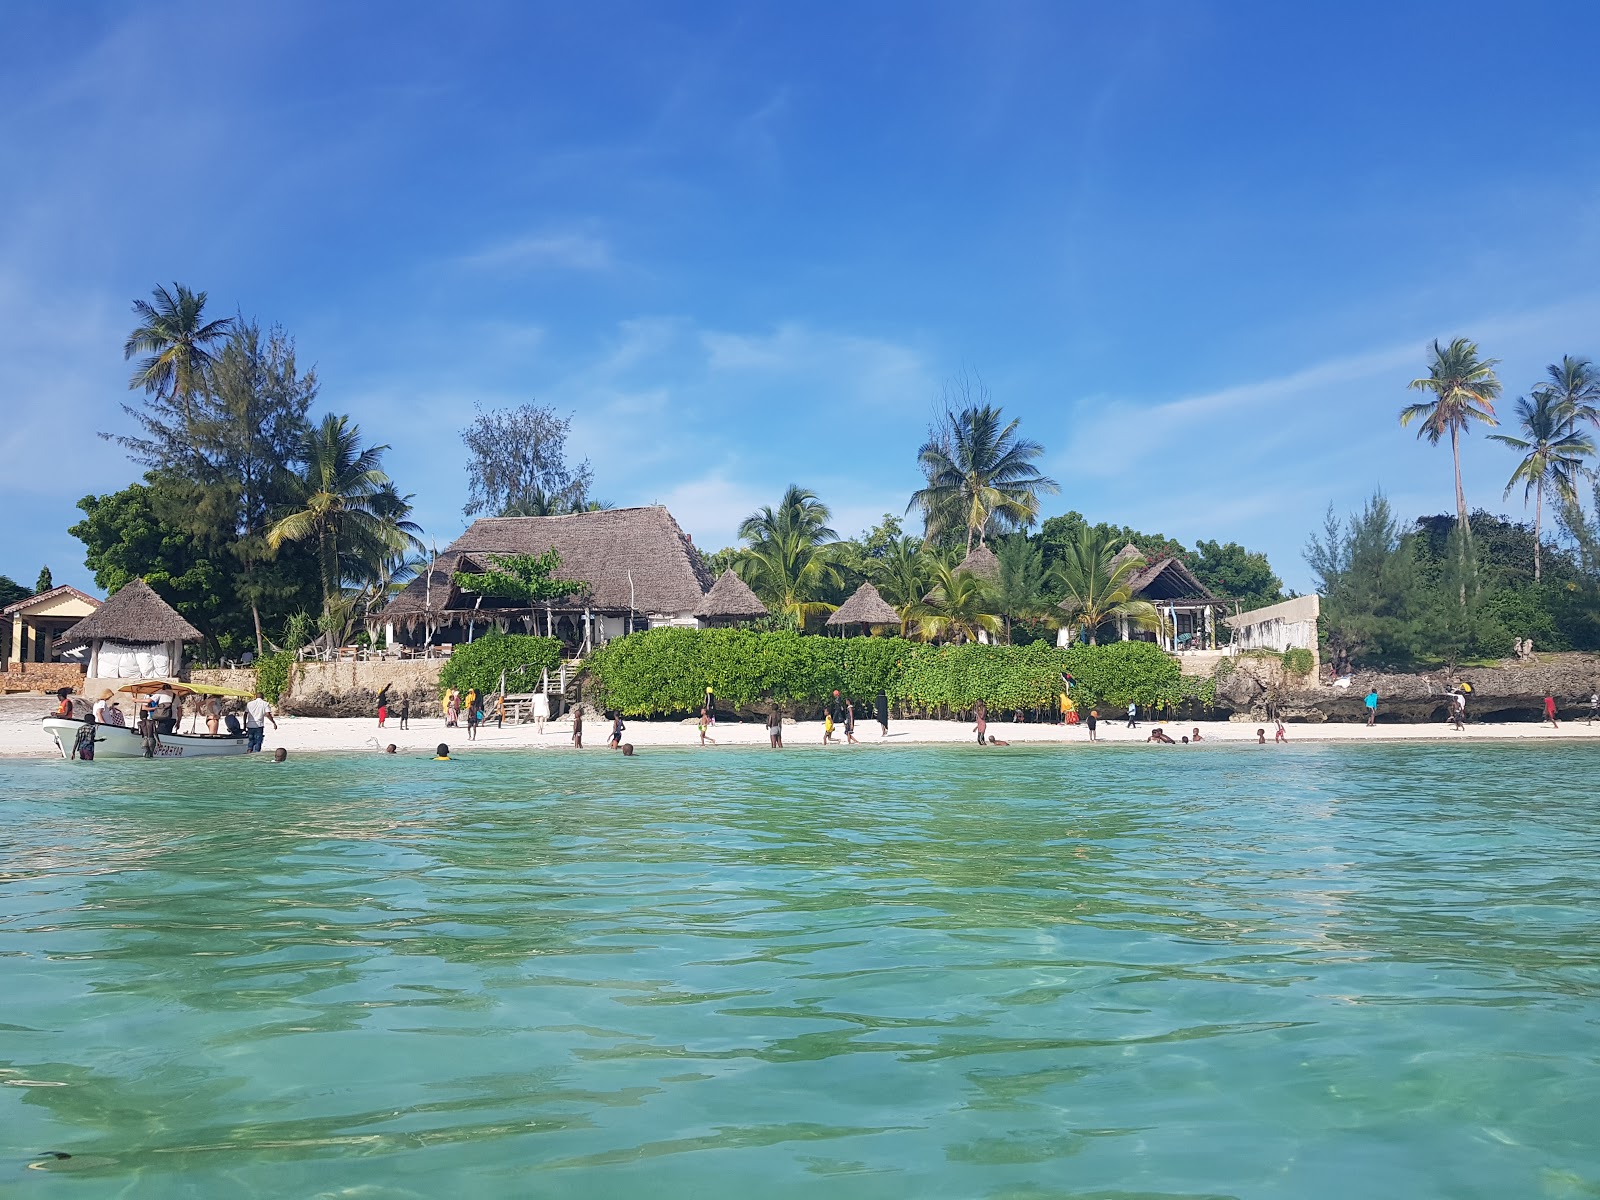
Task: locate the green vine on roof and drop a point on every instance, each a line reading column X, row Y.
column 525, row 577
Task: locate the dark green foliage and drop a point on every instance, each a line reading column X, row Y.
column 666, row 672
column 44, row 583
column 523, row 658
column 272, row 670
column 527, row 578
column 1374, row 603
column 1298, row 661
column 11, row 591
column 1234, row 573
column 1059, row 533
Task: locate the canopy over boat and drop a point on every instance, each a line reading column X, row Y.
column 148, row 687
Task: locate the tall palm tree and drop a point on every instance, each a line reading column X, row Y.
column 1575, row 386
column 1551, row 454
column 788, row 559
column 902, row 574
column 958, row 607
column 1096, row 588
column 979, row 471
column 1464, row 389
column 346, row 505
column 176, row 340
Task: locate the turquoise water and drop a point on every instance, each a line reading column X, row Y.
column 1134, row 972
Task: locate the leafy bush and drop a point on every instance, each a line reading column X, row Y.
column 272, row 674
column 1298, row 661
column 478, row 664
column 666, row 671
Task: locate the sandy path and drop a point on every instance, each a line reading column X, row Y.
column 20, row 735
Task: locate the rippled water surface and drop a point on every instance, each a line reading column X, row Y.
column 1312, row 972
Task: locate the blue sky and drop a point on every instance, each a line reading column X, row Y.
column 1198, row 248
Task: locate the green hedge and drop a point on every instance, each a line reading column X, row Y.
column 478, row 664
column 667, row 671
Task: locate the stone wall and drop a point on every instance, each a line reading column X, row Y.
column 241, row 679
column 41, row 677
column 350, row 689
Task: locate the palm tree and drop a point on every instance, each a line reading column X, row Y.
column 1575, row 386
column 175, row 339
column 1096, row 588
column 1551, row 452
column 959, row 607
column 1464, row 389
column 902, row 574
column 978, row 471
column 788, row 559
column 346, row 505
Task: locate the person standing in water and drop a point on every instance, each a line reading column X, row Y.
column 775, row 728
column 883, row 712
column 615, row 740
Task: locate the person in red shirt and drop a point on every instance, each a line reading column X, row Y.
column 1550, row 712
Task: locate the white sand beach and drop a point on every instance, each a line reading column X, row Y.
column 21, row 736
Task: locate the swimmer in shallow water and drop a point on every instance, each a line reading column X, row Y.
column 279, row 754
column 627, row 749
column 441, row 753
column 390, row 749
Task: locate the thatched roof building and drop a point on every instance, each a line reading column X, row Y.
column 730, row 599
column 638, row 568
column 1187, row 605
column 865, row 607
column 981, row 561
column 135, row 634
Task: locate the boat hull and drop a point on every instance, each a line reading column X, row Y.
column 120, row 741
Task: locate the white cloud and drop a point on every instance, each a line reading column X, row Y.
column 560, row 251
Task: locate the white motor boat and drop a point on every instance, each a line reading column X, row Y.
column 120, row 741
column 125, row 741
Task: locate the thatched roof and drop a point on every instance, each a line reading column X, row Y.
column 731, row 597
column 981, row 561
column 865, row 607
column 602, row 549
column 133, row 614
column 65, row 589
column 1168, row 579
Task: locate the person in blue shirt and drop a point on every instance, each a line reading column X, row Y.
column 1372, row 706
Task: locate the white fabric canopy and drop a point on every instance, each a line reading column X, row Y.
column 122, row 660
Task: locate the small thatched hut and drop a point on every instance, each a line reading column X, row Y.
column 135, row 634
column 865, row 608
column 729, row 601
column 981, row 561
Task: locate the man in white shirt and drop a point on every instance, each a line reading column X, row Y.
column 256, row 713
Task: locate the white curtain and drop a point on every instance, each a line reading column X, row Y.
column 120, row 660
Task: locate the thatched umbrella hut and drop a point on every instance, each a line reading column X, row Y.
column 729, row 601
column 982, row 562
column 135, row 634
column 865, row 608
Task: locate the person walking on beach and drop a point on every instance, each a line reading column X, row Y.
column 981, row 713
column 849, row 722
column 704, row 721
column 256, row 713
column 1372, row 707
column 1594, row 706
column 405, row 711
column 775, row 728
column 1133, row 715
column 1458, row 709
column 474, row 717
column 1280, row 735
column 827, row 725
column 883, row 712
column 500, row 710
column 577, row 729
column 711, row 706
column 615, row 740
column 1094, row 719
column 1550, row 712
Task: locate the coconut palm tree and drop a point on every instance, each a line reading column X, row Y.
column 1464, row 389
column 902, row 574
column 978, row 472
column 1096, row 588
column 959, row 607
column 175, row 339
column 346, row 505
column 1552, row 454
column 1575, row 386
column 788, row 555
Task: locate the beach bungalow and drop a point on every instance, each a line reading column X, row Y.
column 638, row 567
column 729, row 602
column 135, row 634
column 31, row 626
column 865, row 610
column 1187, row 605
